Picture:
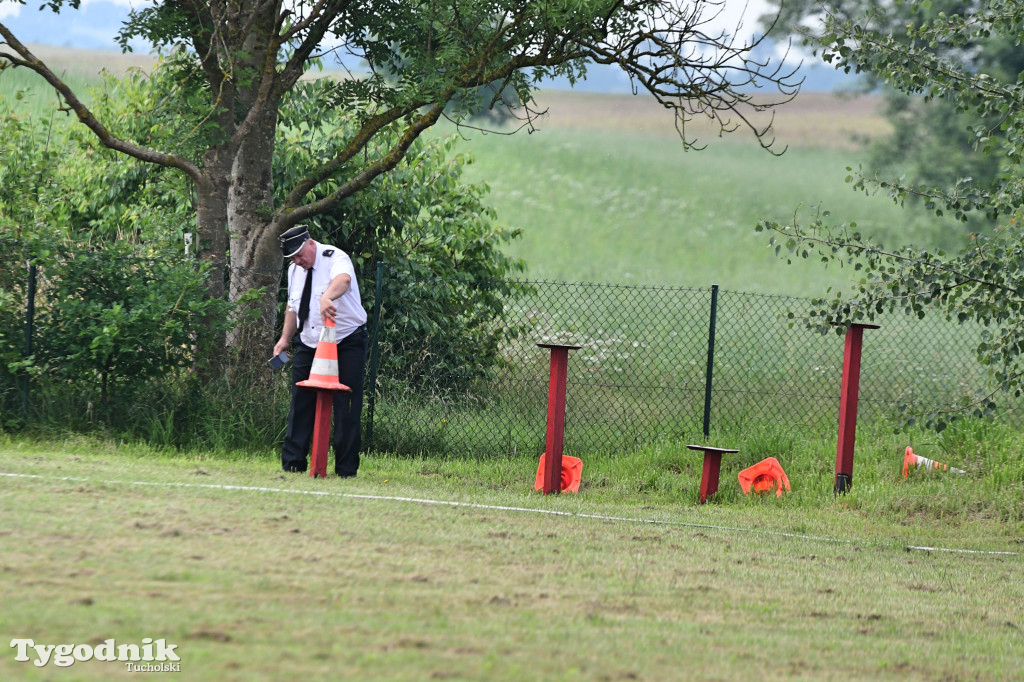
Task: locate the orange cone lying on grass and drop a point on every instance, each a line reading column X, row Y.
column 572, row 473
column 764, row 476
column 910, row 459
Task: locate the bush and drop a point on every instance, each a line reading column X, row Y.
column 113, row 321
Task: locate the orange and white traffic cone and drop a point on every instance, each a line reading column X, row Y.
column 323, row 378
column 919, row 462
column 323, row 374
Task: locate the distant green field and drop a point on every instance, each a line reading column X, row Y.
column 602, row 203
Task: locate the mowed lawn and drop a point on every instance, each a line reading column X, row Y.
column 257, row 576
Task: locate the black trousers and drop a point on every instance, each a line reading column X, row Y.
column 348, row 407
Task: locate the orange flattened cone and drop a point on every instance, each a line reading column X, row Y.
column 572, row 473
column 764, row 476
column 323, row 374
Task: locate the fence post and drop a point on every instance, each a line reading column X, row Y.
column 374, row 350
column 30, row 314
column 711, row 361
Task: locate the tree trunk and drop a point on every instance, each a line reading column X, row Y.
column 255, row 254
column 211, row 223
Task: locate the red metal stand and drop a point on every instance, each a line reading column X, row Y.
column 712, row 466
column 848, row 406
column 321, row 434
column 556, row 416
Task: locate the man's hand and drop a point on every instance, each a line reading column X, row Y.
column 338, row 286
column 327, row 308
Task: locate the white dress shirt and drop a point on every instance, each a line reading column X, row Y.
column 330, row 262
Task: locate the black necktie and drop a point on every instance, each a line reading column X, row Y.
column 307, row 290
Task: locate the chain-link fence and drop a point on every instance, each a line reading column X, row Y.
column 659, row 362
column 653, row 362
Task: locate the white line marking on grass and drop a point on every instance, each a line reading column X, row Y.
column 492, row 507
column 961, row 551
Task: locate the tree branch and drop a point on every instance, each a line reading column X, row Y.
column 367, row 175
column 28, row 60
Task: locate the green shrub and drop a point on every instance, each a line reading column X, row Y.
column 113, row 321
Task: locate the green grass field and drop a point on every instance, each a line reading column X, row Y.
column 455, row 568
column 614, row 198
column 257, row 576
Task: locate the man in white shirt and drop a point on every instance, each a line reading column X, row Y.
column 324, row 274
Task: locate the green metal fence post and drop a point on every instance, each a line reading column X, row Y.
column 374, row 351
column 711, row 361
column 30, row 313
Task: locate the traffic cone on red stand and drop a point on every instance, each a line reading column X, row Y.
column 323, row 374
column 323, row 378
column 919, row 462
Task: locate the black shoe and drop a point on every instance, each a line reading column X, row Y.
column 294, row 469
column 341, row 475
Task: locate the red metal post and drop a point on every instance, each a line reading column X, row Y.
column 848, row 406
column 712, row 467
column 709, row 476
column 556, row 416
column 321, row 434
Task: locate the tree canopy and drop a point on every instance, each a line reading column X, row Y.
column 931, row 140
column 235, row 63
column 984, row 282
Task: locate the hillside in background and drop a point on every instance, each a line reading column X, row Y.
column 89, row 62
column 604, row 192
